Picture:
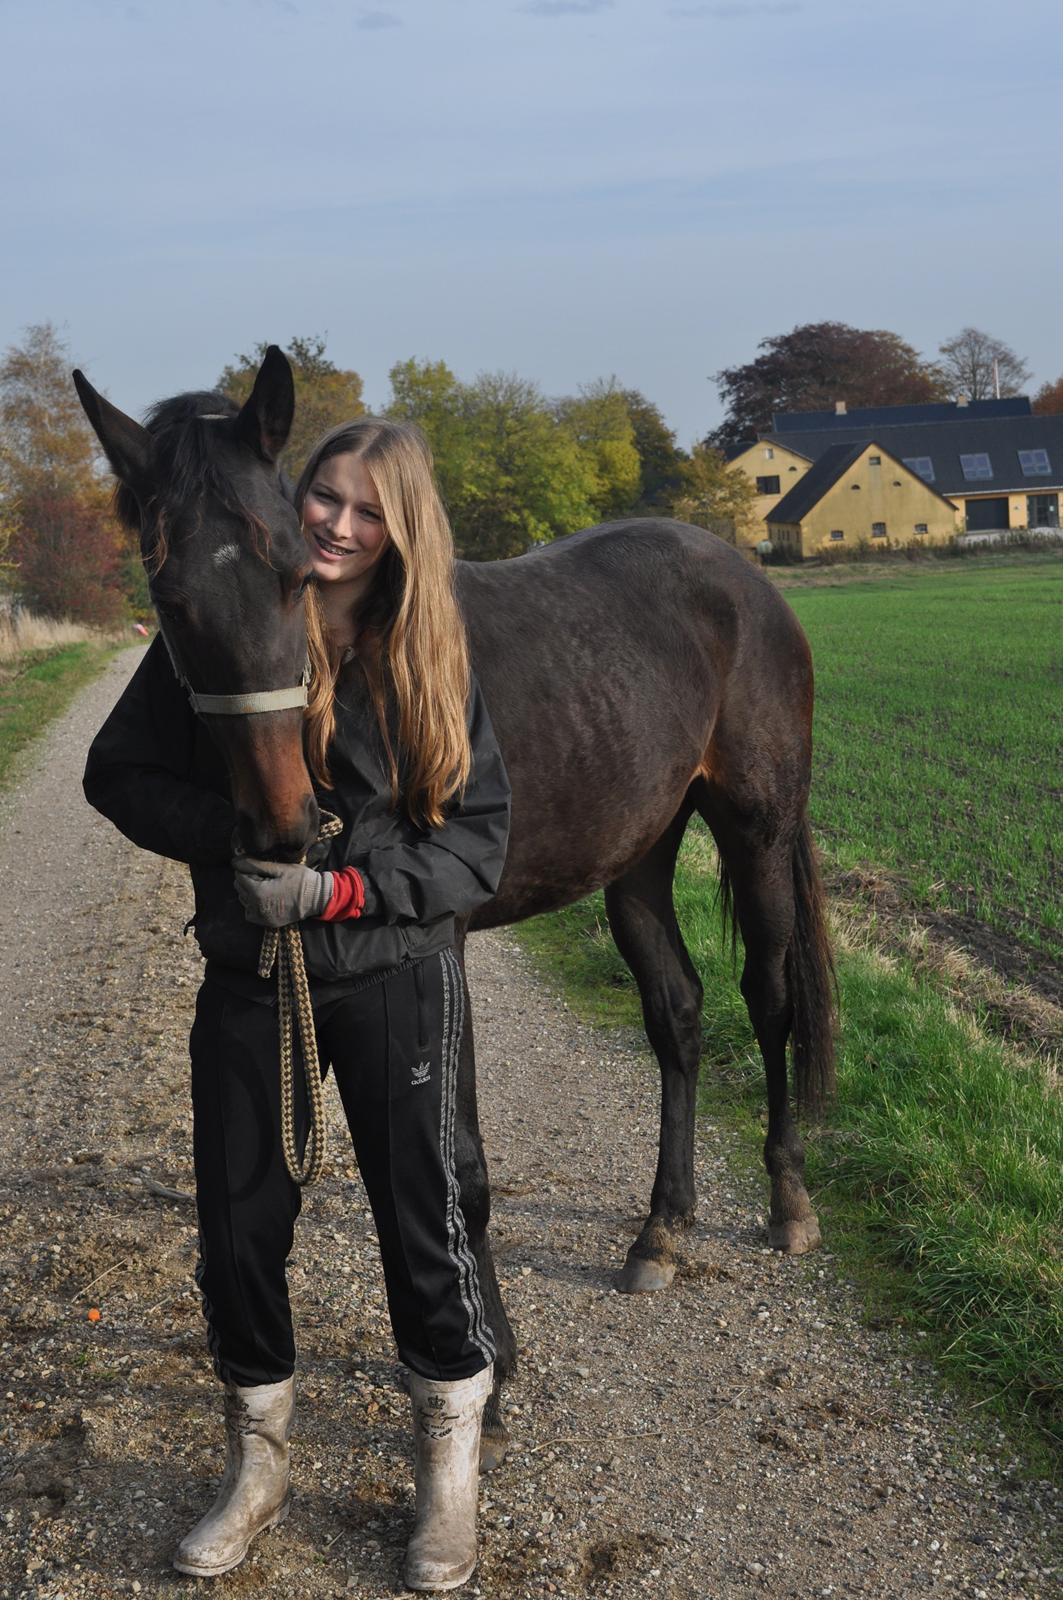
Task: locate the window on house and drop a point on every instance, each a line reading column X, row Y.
column 874, row 461
column 878, row 530
column 976, row 466
column 768, row 485
column 922, row 466
column 921, row 527
column 769, row 454
column 837, row 533
column 1034, row 463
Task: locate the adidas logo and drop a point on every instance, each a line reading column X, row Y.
column 421, row 1072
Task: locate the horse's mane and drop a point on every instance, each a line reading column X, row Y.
column 185, row 435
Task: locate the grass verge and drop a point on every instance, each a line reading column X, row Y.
column 37, row 687
column 939, row 1177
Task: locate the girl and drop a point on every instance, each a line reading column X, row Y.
column 401, row 750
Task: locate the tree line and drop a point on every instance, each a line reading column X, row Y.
column 516, row 467
column 820, row 363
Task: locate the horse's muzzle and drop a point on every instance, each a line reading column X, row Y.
column 269, row 839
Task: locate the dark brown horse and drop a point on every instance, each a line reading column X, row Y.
column 636, row 673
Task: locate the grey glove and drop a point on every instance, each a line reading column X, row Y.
column 275, row 894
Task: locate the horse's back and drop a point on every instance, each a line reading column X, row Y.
column 605, row 659
column 616, row 558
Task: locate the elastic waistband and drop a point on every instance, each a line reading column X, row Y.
column 251, row 987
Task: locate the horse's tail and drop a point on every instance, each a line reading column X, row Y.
column 811, row 981
column 810, row 977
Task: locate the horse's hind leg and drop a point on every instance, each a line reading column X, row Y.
column 761, row 877
column 471, row 1172
column 642, row 919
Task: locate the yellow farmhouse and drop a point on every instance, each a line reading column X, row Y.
column 856, row 494
column 923, row 472
column 773, row 469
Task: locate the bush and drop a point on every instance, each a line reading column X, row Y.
column 781, row 555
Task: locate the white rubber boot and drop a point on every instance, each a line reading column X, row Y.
column 441, row 1553
column 254, row 1489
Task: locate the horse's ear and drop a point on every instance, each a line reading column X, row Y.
column 126, row 444
column 266, row 420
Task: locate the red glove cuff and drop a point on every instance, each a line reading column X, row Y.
column 348, row 896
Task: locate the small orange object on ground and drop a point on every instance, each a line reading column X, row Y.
column 94, row 1313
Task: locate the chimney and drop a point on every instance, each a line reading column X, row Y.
column 839, row 408
column 961, row 399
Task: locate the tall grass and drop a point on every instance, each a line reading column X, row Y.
column 23, row 633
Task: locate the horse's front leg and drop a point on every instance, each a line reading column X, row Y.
column 642, row 919
column 471, row 1171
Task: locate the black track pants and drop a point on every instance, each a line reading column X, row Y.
column 393, row 1047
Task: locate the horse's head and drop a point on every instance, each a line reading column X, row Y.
column 227, row 567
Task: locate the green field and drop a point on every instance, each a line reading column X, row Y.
column 939, row 737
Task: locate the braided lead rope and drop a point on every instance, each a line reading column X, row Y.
column 283, row 948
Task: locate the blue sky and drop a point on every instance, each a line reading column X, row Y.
column 562, row 188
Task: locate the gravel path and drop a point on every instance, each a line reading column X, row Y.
column 741, row 1434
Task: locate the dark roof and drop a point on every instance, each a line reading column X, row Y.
column 897, row 416
column 1001, row 438
column 816, row 481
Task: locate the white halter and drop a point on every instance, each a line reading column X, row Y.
column 241, row 705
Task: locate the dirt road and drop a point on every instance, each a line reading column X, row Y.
column 740, row 1434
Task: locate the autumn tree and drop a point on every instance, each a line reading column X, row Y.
column 325, row 395
column 529, row 481
column 70, row 559
column 45, row 438
column 660, row 458
column 715, row 497
column 976, row 365
column 1049, row 398
column 599, row 421
column 66, row 553
column 812, row 367
column 510, row 473
column 428, row 393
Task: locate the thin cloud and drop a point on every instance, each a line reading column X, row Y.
column 736, row 9
column 375, row 20
column 565, row 8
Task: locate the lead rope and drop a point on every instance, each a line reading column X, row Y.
column 283, row 948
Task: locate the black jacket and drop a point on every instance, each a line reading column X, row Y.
column 155, row 772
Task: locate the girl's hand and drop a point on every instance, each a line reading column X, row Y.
column 275, row 895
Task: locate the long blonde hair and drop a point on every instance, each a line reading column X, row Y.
column 411, row 637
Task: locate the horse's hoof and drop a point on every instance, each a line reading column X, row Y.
column 640, row 1276
column 795, row 1238
column 494, row 1447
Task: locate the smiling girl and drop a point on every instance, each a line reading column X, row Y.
column 401, row 750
